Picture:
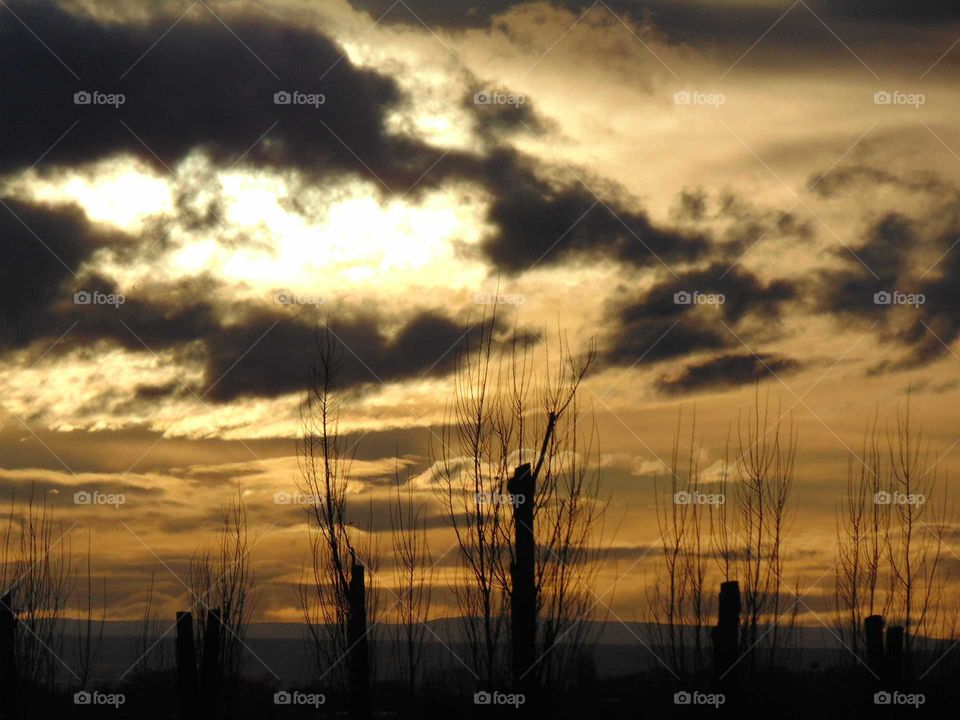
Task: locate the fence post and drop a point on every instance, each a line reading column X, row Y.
column 358, row 646
column 186, row 667
column 725, row 635
column 873, row 630
column 210, row 662
column 523, row 591
column 8, row 640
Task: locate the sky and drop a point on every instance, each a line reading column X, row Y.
column 189, row 188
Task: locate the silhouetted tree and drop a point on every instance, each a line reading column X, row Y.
column 413, row 577
column 222, row 579
column 335, row 595
column 509, row 410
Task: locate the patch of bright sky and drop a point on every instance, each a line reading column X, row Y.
column 70, row 389
column 119, row 192
column 435, row 112
column 357, row 243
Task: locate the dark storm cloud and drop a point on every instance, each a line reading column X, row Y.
column 744, row 223
column 41, row 248
column 493, row 118
column 736, row 222
column 436, row 13
column 247, row 349
column 726, row 372
column 281, row 350
column 689, row 21
column 41, row 288
column 658, row 325
column 198, row 87
column 910, row 256
column 897, row 11
column 543, row 223
column 251, row 350
column 854, row 178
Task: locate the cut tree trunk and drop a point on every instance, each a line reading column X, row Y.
column 873, row 630
column 358, row 648
column 523, row 593
column 210, row 664
column 725, row 635
column 187, row 668
column 895, row 637
column 8, row 640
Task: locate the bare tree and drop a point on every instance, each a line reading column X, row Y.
column 764, row 480
column 509, row 411
column 862, row 588
column 569, row 518
column 678, row 604
column 152, row 652
column 222, row 579
column 37, row 576
column 413, row 577
column 891, row 540
column 470, row 477
column 915, row 541
column 337, row 602
column 740, row 515
column 89, row 637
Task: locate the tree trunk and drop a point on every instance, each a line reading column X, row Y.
column 873, row 629
column 358, row 646
column 523, row 593
column 210, row 664
column 895, row 635
column 187, row 668
column 726, row 634
column 8, row 658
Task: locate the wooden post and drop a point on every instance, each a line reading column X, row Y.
column 358, row 646
column 725, row 635
column 210, row 663
column 8, row 658
column 873, row 630
column 523, row 591
column 895, row 636
column 187, row 667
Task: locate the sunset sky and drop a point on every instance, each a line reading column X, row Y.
column 794, row 158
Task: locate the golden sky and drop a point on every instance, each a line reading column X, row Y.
column 796, row 159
